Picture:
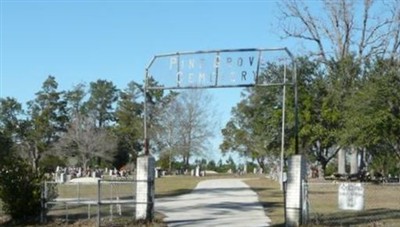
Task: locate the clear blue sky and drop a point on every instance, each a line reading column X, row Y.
column 82, row 41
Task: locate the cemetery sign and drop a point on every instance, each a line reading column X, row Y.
column 216, row 68
column 351, row 196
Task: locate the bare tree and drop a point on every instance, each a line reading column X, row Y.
column 84, row 140
column 187, row 125
column 337, row 32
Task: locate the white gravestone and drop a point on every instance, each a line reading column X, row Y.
column 156, row 173
column 351, row 196
column 197, row 171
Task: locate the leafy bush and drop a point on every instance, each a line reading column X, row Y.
column 330, row 169
column 20, row 189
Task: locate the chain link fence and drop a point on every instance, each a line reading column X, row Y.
column 100, row 202
column 353, row 204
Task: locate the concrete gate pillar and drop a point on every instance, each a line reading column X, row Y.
column 294, row 201
column 145, row 174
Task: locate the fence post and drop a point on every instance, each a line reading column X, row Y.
column 98, row 202
column 79, row 192
column 145, row 188
column 305, row 213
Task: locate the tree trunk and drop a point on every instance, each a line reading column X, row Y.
column 363, row 163
column 260, row 161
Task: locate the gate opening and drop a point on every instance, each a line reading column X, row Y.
column 227, row 68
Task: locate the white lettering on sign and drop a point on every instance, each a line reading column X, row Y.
column 191, row 71
column 173, row 61
column 191, row 63
column 217, row 61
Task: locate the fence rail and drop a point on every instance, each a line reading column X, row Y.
column 106, row 200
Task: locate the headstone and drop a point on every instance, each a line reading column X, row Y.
column 110, row 172
column 145, row 188
column 255, row 170
column 192, row 172
column 156, row 173
column 351, row 196
column 342, row 161
column 62, row 177
column 94, row 174
column 245, row 168
column 197, row 173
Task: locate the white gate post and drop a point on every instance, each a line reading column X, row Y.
column 297, row 172
column 145, row 188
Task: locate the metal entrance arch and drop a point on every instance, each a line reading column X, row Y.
column 225, row 68
column 229, row 68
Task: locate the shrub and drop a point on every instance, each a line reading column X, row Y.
column 330, row 169
column 20, row 189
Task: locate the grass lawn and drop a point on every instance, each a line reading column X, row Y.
column 175, row 185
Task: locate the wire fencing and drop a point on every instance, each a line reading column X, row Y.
column 353, row 204
column 100, row 202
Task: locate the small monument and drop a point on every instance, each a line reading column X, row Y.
column 197, row 171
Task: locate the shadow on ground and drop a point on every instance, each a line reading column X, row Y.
column 374, row 217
